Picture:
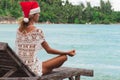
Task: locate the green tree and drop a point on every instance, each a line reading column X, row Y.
column 57, row 11
column 88, row 14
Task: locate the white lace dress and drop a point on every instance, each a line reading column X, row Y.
column 27, row 46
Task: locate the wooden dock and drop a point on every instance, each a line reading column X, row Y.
column 12, row 68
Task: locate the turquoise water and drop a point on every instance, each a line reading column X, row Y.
column 97, row 46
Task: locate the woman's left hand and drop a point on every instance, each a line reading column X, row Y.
column 71, row 53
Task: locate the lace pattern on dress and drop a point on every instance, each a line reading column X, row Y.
column 27, row 45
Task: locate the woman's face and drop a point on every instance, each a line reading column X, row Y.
column 36, row 17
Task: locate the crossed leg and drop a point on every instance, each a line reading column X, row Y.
column 49, row 65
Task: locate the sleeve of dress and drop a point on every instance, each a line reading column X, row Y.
column 42, row 37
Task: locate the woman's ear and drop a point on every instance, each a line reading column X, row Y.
column 31, row 16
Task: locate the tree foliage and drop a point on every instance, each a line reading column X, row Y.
column 57, row 11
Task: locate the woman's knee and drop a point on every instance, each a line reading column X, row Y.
column 64, row 57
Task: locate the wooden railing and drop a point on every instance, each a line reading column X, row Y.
column 58, row 74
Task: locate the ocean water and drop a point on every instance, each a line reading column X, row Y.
column 97, row 46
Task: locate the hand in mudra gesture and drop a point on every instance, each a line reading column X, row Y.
column 71, row 53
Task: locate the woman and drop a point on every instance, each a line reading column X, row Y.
column 31, row 39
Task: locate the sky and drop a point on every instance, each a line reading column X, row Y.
column 115, row 3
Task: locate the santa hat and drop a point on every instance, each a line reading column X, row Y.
column 29, row 8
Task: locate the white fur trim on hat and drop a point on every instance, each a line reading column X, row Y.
column 33, row 11
column 26, row 20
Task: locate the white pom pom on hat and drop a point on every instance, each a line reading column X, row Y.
column 26, row 20
column 29, row 8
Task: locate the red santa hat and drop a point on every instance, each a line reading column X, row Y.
column 29, row 8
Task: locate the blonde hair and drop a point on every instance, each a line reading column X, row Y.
column 24, row 25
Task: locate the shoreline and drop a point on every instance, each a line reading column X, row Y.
column 8, row 22
column 47, row 22
column 16, row 22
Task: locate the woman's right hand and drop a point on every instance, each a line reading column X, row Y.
column 71, row 53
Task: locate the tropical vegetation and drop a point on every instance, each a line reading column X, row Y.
column 57, row 11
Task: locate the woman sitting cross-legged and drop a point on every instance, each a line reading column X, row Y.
column 30, row 40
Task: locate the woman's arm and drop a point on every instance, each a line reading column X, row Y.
column 54, row 51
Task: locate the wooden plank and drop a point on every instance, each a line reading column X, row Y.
column 7, row 67
column 58, row 74
column 3, row 46
column 11, row 67
column 2, row 52
column 10, row 72
column 5, row 63
column 7, row 60
column 66, row 72
column 4, row 56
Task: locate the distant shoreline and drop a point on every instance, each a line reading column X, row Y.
column 16, row 22
column 8, row 22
